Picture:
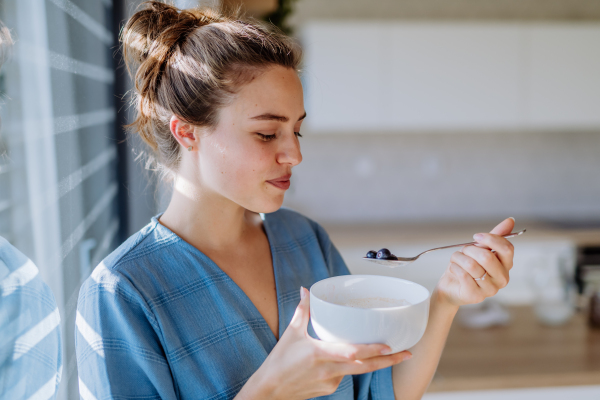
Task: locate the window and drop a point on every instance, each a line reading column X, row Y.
column 58, row 170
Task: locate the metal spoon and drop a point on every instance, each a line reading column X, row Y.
column 402, row 261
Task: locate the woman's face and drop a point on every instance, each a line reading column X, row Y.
column 248, row 158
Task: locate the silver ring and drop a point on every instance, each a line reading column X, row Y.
column 482, row 278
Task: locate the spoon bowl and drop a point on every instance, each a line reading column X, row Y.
column 401, row 262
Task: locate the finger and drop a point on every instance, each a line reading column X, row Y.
column 487, row 284
column 350, row 352
column 503, row 248
column 505, row 227
column 470, row 291
column 497, row 271
column 358, row 367
column 302, row 314
column 467, row 263
column 480, row 275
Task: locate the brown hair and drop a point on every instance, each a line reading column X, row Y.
column 190, row 63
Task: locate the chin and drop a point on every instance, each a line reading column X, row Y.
column 267, row 206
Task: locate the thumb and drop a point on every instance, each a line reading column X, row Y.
column 505, row 227
column 302, row 314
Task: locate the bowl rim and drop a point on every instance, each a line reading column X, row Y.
column 372, row 308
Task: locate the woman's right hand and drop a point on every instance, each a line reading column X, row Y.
column 300, row 367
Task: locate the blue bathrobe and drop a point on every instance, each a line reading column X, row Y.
column 158, row 319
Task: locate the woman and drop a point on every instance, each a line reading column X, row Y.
column 203, row 301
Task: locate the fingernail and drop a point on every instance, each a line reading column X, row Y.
column 513, row 218
column 407, row 357
column 478, row 236
column 385, row 351
column 302, row 293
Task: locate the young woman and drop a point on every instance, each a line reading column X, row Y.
column 208, row 301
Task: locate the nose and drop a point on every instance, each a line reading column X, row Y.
column 290, row 153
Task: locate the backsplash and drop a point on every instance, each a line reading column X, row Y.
column 448, row 176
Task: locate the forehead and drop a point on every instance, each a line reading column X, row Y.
column 276, row 90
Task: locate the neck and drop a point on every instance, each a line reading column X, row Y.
column 206, row 220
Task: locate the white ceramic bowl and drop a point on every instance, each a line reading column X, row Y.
column 399, row 327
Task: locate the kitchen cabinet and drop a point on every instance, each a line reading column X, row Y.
column 562, row 76
column 344, row 86
column 451, row 76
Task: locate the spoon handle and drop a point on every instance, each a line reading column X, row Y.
column 471, row 243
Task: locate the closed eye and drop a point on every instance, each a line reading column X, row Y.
column 266, row 138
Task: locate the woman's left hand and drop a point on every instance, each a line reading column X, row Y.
column 476, row 273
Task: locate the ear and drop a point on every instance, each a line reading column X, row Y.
column 184, row 133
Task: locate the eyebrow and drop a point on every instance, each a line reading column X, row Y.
column 273, row 117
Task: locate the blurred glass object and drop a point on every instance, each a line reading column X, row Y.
column 555, row 290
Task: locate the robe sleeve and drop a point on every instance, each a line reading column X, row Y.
column 117, row 340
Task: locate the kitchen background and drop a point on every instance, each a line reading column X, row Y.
column 428, row 121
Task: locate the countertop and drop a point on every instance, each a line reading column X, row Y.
column 523, row 354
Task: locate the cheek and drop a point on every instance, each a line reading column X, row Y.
column 244, row 166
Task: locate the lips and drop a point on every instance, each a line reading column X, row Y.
column 283, row 182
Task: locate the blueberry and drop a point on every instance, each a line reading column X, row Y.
column 383, row 254
column 371, row 254
column 392, row 257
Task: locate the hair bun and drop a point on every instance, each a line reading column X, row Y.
column 157, row 27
